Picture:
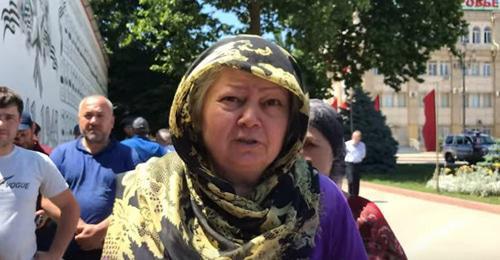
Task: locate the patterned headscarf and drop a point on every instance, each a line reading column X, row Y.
column 177, row 206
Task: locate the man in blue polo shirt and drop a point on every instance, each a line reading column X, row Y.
column 140, row 142
column 90, row 164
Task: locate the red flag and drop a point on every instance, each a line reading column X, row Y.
column 334, row 103
column 429, row 129
column 376, row 103
column 344, row 106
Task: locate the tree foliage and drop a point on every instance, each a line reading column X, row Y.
column 381, row 147
column 151, row 42
column 397, row 37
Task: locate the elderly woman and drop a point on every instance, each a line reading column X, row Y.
column 325, row 148
column 236, row 187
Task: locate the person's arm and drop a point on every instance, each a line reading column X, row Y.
column 381, row 242
column 91, row 236
column 88, row 236
column 363, row 151
column 337, row 236
column 69, row 213
column 51, row 209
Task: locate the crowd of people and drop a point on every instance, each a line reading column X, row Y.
column 250, row 168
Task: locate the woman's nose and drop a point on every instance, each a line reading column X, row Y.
column 250, row 116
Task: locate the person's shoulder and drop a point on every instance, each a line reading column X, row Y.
column 25, row 153
column 66, row 145
column 331, row 195
column 362, row 206
column 122, row 146
column 31, row 156
column 127, row 141
column 155, row 170
column 328, row 187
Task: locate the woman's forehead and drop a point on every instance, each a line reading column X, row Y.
column 242, row 80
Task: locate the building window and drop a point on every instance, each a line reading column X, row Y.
column 445, row 99
column 432, row 68
column 474, row 69
column 476, row 35
column 487, row 100
column 444, row 68
column 465, row 38
column 387, row 100
column 474, row 100
column 467, row 96
column 401, row 99
column 487, row 34
column 486, row 69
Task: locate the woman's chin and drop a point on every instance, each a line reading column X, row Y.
column 245, row 167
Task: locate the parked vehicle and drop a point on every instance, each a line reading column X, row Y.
column 470, row 147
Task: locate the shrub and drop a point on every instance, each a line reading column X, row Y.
column 474, row 180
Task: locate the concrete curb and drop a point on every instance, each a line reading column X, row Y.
column 435, row 198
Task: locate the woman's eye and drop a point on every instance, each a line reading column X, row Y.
column 273, row 102
column 231, row 102
column 230, row 99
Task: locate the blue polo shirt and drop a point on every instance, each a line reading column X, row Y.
column 92, row 177
column 144, row 147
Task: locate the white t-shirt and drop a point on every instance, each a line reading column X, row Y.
column 22, row 174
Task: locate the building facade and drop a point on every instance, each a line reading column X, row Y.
column 475, row 79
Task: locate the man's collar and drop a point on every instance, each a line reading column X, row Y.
column 81, row 147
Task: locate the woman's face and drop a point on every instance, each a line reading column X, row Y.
column 317, row 149
column 244, row 121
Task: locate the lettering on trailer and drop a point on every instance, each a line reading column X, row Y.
column 32, row 18
column 49, row 119
column 54, row 61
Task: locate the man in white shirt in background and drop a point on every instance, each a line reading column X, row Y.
column 355, row 153
column 23, row 174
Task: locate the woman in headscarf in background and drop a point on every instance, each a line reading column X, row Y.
column 324, row 147
column 237, row 187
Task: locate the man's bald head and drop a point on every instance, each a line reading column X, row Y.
column 96, row 120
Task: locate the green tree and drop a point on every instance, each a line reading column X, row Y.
column 381, row 147
column 396, row 37
column 150, row 44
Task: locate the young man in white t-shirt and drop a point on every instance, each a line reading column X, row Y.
column 23, row 174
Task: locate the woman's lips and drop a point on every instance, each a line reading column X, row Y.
column 247, row 141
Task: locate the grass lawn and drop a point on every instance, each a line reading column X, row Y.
column 414, row 177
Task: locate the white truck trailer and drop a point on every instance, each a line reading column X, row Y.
column 51, row 53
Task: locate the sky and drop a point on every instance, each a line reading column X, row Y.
column 228, row 18
column 225, row 17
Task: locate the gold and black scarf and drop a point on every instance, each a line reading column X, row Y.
column 176, row 207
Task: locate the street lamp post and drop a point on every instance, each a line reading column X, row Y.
column 462, row 60
column 465, row 62
column 494, row 50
